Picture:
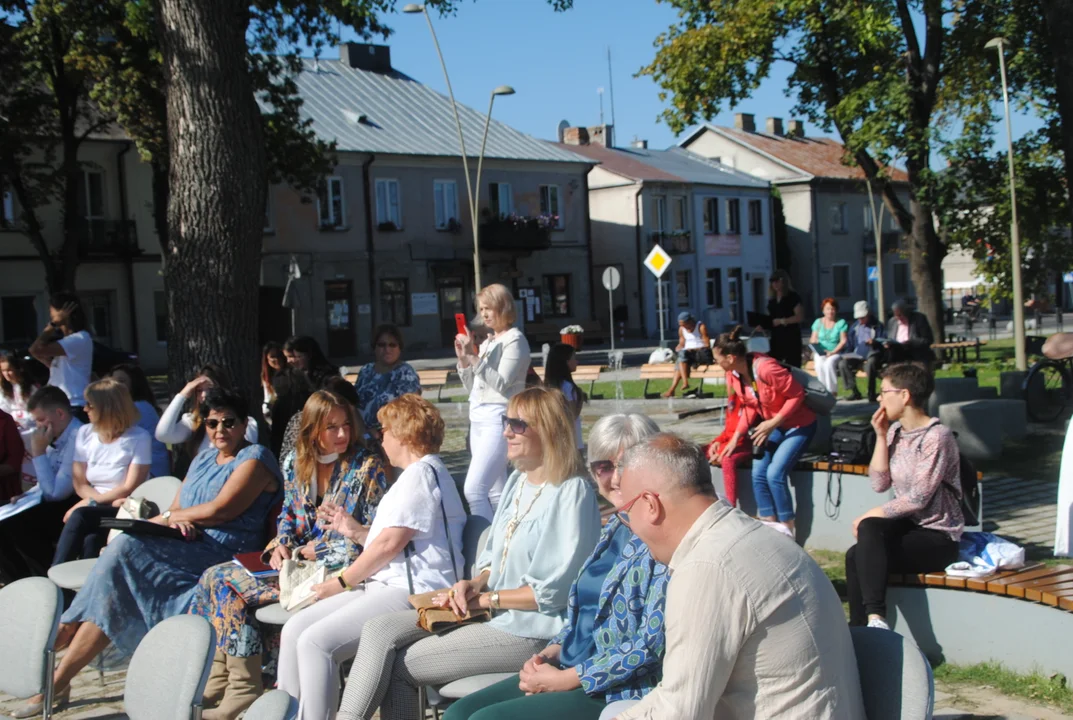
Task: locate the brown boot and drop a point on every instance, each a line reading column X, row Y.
column 244, row 685
column 217, row 683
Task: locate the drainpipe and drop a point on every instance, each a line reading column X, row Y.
column 123, row 209
column 588, row 242
column 816, row 294
column 640, row 257
column 369, row 246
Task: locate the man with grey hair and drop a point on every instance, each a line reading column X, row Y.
column 909, row 334
column 754, row 628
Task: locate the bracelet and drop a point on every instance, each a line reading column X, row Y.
column 493, row 599
column 343, row 582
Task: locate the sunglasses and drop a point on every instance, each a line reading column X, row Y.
column 516, row 425
column 622, row 513
column 229, row 423
column 602, row 468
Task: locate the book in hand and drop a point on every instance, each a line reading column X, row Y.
column 817, row 350
column 433, row 618
column 252, row 563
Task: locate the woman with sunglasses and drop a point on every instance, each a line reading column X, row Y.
column 615, row 612
column 330, row 471
column 387, row 378
column 546, row 526
column 142, row 579
column 112, row 457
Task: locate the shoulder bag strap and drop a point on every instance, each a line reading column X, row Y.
column 446, row 531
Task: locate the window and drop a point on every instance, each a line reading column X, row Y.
column 868, row 218
column 711, row 216
column 387, row 205
column 395, row 301
column 160, row 311
column 501, row 197
column 445, row 194
column 19, row 318
column 713, row 285
column 98, row 306
column 549, row 204
column 330, row 202
column 756, row 217
column 901, row 279
column 678, row 213
column 838, row 217
column 7, row 208
column 557, row 296
column 91, row 195
column 734, row 217
column 840, row 276
column 659, row 212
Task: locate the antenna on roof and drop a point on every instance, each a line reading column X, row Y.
column 611, row 84
column 600, row 92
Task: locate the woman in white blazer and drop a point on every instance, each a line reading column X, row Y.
column 493, row 375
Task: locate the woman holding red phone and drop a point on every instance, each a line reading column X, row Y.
column 493, row 374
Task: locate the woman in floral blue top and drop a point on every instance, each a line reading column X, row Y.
column 611, row 645
column 387, row 378
column 329, row 468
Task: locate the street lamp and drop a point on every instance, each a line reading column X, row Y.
column 417, row 8
column 1015, row 234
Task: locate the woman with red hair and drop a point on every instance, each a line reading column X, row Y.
column 827, row 341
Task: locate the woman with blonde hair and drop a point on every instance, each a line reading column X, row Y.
column 413, row 545
column 112, row 457
column 330, row 470
column 493, row 374
column 541, row 535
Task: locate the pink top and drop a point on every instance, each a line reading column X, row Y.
column 924, row 472
column 902, row 335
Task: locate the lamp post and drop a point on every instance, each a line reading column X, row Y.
column 1015, row 234
column 417, row 8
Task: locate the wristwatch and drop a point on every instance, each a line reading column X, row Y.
column 493, row 599
column 91, row 503
column 166, row 516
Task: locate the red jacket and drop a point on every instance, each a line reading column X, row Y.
column 779, row 393
column 12, row 452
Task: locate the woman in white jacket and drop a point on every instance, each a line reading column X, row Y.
column 493, row 375
column 177, row 426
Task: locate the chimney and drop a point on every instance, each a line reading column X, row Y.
column 797, row 129
column 745, row 121
column 602, row 135
column 774, row 126
column 365, row 56
column 576, row 136
column 640, row 144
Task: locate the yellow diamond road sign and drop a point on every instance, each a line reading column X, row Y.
column 658, row 261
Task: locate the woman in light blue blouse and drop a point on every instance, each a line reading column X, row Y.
column 827, row 342
column 545, row 527
column 387, row 377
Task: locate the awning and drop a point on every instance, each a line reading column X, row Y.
column 965, row 284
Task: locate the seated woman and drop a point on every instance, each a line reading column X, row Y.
column 16, row 387
column 387, row 378
column 542, row 532
column 143, row 579
column 828, row 340
column 112, row 457
column 133, row 377
column 272, row 361
column 178, row 427
column 918, row 531
column 292, row 389
column 330, row 469
column 413, row 545
column 615, row 612
column 303, row 353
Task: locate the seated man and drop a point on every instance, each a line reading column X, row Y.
column 694, row 348
column 27, row 540
column 754, row 628
column 862, row 349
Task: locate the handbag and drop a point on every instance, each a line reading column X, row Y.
column 296, row 581
column 853, row 442
column 134, row 509
column 432, row 618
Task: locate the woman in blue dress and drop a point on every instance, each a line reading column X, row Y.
column 140, row 580
column 387, row 378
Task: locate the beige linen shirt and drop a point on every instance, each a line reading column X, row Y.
column 754, row 630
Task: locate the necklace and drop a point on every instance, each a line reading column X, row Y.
column 514, row 522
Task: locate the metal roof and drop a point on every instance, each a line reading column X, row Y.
column 391, row 113
column 672, row 165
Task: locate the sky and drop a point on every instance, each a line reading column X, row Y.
column 557, row 62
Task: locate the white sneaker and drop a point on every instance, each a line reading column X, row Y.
column 878, row 622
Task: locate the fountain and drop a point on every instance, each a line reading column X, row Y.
column 614, row 362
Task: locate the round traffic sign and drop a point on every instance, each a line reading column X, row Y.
column 611, row 278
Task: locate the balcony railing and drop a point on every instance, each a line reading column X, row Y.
column 893, row 241
column 515, row 233
column 107, row 237
column 675, row 242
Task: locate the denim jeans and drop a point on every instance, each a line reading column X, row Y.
column 771, row 473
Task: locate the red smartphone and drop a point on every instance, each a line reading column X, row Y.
column 461, row 325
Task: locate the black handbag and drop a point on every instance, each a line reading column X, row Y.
column 852, row 443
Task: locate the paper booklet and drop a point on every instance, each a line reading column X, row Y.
column 27, row 500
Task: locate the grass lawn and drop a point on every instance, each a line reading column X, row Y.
column 1040, row 688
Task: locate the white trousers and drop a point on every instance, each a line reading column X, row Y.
column 1063, row 543
column 322, row 636
column 827, row 371
column 487, row 467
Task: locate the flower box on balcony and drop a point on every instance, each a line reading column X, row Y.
column 515, row 233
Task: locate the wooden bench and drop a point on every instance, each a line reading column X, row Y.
column 665, row 371
column 430, row 380
column 958, row 350
column 584, row 374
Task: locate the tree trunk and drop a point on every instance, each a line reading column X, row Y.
column 926, row 253
column 1059, row 14
column 217, row 184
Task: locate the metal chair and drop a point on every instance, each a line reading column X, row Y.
column 273, row 705
column 896, row 679
column 169, row 669
column 30, row 612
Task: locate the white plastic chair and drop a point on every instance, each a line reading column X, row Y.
column 30, row 612
column 896, row 679
column 169, row 669
column 273, row 705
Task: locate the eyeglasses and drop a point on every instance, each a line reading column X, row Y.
column 229, row 423
column 384, row 346
column 884, row 392
column 602, row 468
column 622, row 513
column 516, row 425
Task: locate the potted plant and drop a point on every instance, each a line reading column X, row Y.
column 572, row 335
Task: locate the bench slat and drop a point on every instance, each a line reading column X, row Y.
column 1066, row 603
column 980, row 583
column 1049, row 594
column 1001, row 586
column 1021, row 589
column 937, row 579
